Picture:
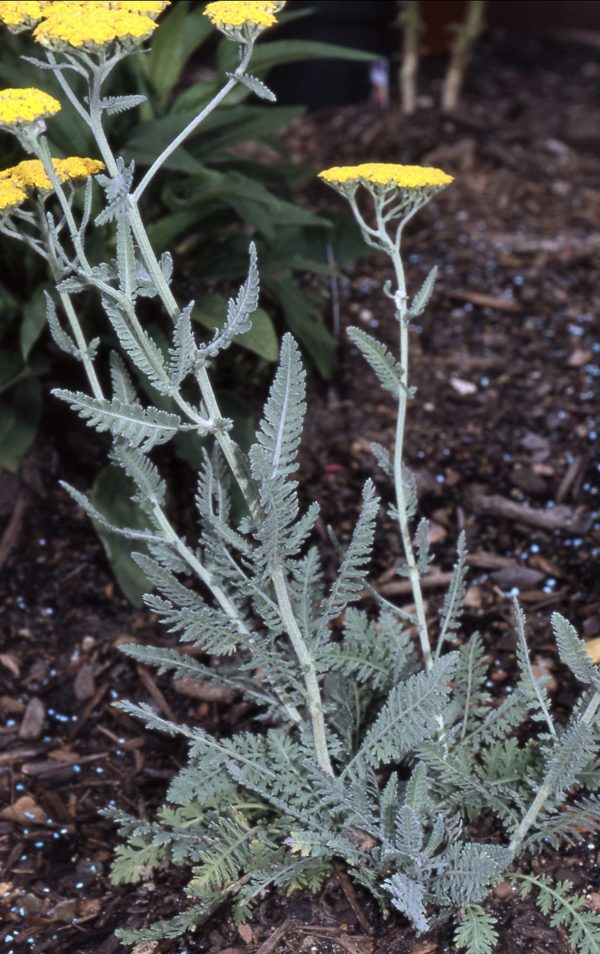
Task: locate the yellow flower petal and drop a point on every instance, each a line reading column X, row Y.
column 28, row 105
column 387, row 175
column 30, row 174
column 90, row 26
column 21, row 14
column 229, row 15
column 11, row 196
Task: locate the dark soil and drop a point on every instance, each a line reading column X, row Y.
column 506, row 361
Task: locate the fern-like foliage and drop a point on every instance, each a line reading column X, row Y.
column 380, row 360
column 354, row 752
column 273, row 459
column 476, row 932
column 140, row 427
column 239, row 312
column 564, row 909
column 352, row 570
column 455, row 597
column 409, row 715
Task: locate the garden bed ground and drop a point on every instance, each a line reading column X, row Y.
column 502, row 437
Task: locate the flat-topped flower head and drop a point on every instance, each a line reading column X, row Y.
column 398, row 191
column 387, row 175
column 149, row 8
column 30, row 174
column 92, row 27
column 11, row 196
column 24, row 107
column 21, row 14
column 242, row 20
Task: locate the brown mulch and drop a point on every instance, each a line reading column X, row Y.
column 503, row 439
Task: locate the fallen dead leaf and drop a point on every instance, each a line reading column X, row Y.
column 425, row 947
column 12, row 706
column 5, row 888
column 593, row 648
column 246, row 933
column 25, row 811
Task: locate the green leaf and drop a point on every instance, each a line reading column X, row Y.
column 142, row 427
column 34, row 320
column 419, row 302
column 311, row 333
column 379, row 358
column 111, row 495
column 163, row 64
column 278, row 52
column 20, row 412
column 573, row 652
column 261, row 339
column 255, row 86
column 476, row 931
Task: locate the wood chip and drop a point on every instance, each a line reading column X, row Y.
column 9, row 662
column 594, row 900
column 11, row 705
column 579, row 357
column 356, row 944
column 522, row 577
column 84, row 685
column 487, row 301
column 203, row 689
column 272, row 943
column 156, row 693
column 560, row 517
column 25, row 811
column 34, row 717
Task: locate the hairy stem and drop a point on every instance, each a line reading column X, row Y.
column 409, row 553
column 199, row 569
column 545, row 790
column 189, row 129
column 307, row 664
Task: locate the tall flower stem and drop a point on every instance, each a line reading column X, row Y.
column 379, row 238
column 229, row 448
column 307, row 663
column 401, row 503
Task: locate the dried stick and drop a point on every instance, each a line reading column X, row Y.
column 412, row 25
column 466, row 35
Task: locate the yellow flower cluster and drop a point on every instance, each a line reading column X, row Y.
column 90, row 26
column 388, row 175
column 30, row 173
column 84, row 24
column 242, row 16
column 20, row 14
column 22, row 106
column 17, row 182
column 11, row 196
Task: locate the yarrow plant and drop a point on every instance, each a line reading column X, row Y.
column 375, row 743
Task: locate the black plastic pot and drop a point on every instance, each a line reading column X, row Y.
column 367, row 26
